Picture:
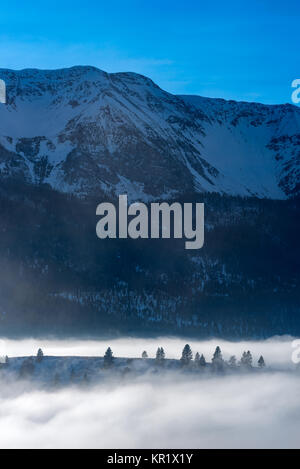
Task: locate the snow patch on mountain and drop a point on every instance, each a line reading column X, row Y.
column 82, row 130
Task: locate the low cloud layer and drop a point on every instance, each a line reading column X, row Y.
column 255, row 412
column 172, row 411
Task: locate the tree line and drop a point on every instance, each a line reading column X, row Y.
column 188, row 360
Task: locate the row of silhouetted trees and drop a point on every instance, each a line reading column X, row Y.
column 188, row 359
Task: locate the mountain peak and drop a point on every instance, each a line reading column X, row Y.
column 82, row 130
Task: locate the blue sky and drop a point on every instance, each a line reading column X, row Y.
column 244, row 50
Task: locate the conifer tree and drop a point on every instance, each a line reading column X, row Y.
column 108, row 358
column 144, row 355
column 246, row 360
column 202, row 361
column 160, row 356
column 261, row 362
column 218, row 354
column 197, row 359
column 243, row 361
column 217, row 360
column 187, row 355
column 249, row 359
column 232, row 361
column 40, row 355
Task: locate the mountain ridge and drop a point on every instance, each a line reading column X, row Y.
column 73, row 138
column 83, row 130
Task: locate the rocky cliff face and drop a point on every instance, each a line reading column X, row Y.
column 82, row 130
column 70, row 139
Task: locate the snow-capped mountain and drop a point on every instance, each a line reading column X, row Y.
column 71, row 138
column 82, row 130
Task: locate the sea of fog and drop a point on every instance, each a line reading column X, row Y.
column 258, row 410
